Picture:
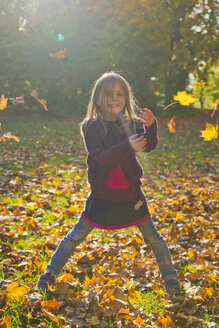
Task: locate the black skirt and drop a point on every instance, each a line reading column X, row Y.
column 111, row 215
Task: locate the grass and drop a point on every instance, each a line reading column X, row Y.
column 149, row 301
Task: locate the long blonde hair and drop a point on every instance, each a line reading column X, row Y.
column 103, row 87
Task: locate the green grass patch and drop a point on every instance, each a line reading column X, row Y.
column 149, row 301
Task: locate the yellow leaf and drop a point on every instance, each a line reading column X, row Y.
column 66, row 277
column 14, row 292
column 210, row 132
column 179, row 216
column 185, row 98
column 47, row 251
column 191, row 253
column 73, row 208
column 152, row 208
column 134, row 296
column 3, row 102
column 88, row 282
column 209, row 291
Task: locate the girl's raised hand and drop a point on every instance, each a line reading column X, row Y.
column 138, row 143
column 147, row 117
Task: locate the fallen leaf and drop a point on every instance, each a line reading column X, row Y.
column 14, row 291
column 5, row 323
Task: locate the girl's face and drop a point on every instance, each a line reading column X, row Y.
column 114, row 103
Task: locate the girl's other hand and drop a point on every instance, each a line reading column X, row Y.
column 147, row 117
column 138, row 143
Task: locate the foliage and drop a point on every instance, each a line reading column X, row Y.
column 154, row 45
column 112, row 279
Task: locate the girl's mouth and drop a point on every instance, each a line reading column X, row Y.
column 113, row 106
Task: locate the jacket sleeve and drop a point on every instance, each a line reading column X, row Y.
column 150, row 134
column 95, row 147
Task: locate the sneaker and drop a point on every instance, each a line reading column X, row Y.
column 44, row 280
column 172, row 287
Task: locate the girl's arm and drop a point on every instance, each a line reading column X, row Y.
column 147, row 126
column 96, row 149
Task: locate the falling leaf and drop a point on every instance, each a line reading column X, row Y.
column 17, row 100
column 41, row 101
column 201, row 84
column 216, row 107
column 3, row 102
column 171, row 125
column 138, row 205
column 14, row 291
column 210, row 132
column 185, row 98
column 9, row 136
column 60, row 54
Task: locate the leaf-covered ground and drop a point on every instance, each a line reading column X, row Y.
column 112, row 279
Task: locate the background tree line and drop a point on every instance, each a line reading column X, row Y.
column 157, row 45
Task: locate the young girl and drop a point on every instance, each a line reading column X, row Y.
column 112, row 135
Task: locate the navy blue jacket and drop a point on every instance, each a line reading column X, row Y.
column 107, row 144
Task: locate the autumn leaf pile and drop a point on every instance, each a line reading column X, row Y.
column 112, row 279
